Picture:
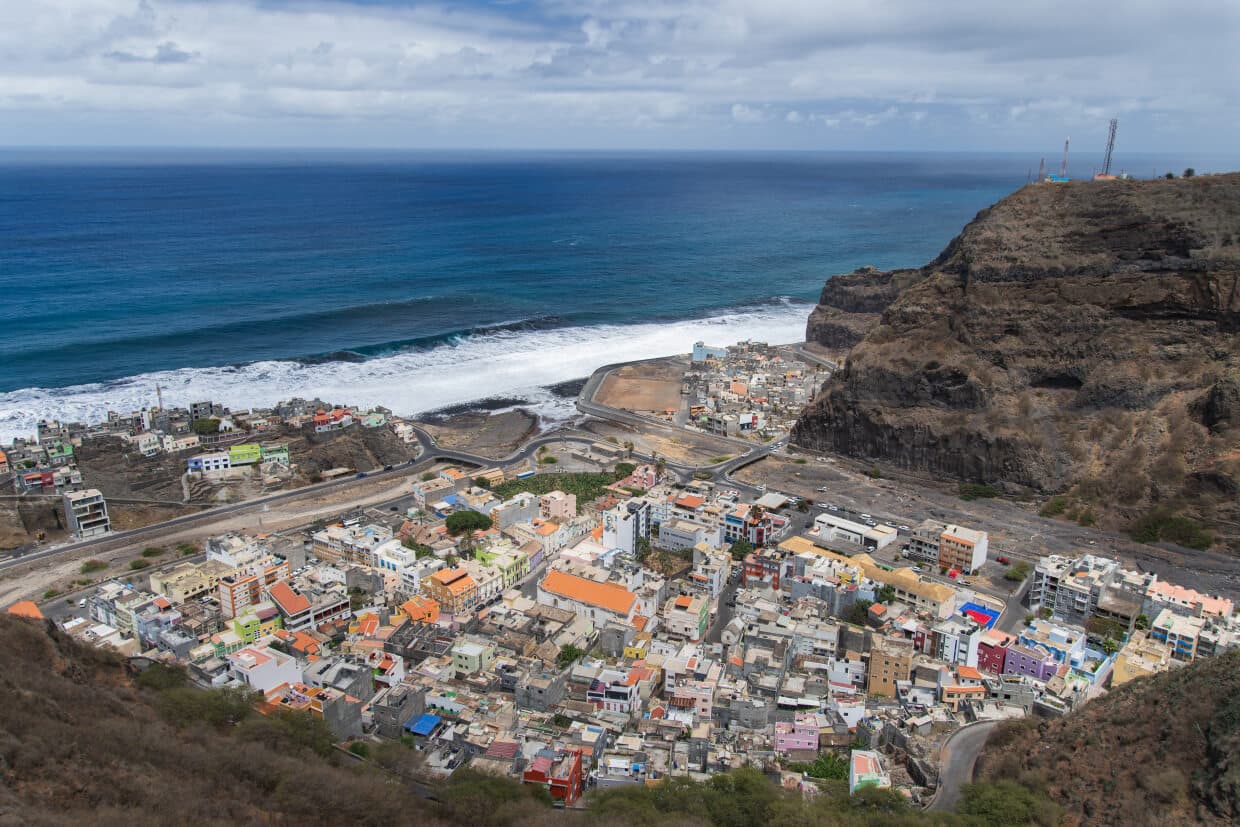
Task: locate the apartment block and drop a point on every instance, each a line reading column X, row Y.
column 86, row 514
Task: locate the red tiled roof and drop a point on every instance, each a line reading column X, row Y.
column 289, row 601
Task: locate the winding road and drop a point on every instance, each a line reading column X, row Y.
column 957, row 758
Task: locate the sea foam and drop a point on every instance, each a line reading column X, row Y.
column 518, row 363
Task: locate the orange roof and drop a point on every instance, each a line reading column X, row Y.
column 26, row 608
column 609, row 596
column 969, row 673
column 639, row 622
column 289, row 601
column 684, row 602
column 689, row 501
column 597, row 533
column 548, row 527
column 455, row 580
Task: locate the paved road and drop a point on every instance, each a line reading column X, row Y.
column 957, row 759
column 724, row 616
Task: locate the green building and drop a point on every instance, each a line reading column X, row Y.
column 247, row 454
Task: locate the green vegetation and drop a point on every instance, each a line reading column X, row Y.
column 886, row 594
column 875, row 472
column 360, row 748
column 969, row 491
column 1162, row 524
column 419, row 550
column 92, row 566
column 1054, row 507
column 139, row 564
column 828, row 764
column 569, row 655
column 152, row 551
column 1190, row 172
column 643, row 549
column 740, row 548
column 206, row 427
column 719, row 459
column 701, row 475
column 859, row 613
column 1141, row 622
column 464, row 522
column 1005, row 803
column 187, row 549
column 584, row 486
column 1017, row 572
column 623, row 469
column 801, row 461
column 50, row 593
column 746, row 798
column 548, row 460
column 480, row 482
column 427, row 476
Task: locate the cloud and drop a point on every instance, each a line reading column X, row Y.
column 747, row 114
column 619, row 72
column 166, row 52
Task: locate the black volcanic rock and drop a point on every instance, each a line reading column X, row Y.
column 1075, row 337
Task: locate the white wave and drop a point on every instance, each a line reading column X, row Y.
column 507, row 363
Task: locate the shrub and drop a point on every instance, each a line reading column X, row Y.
column 1054, row 507
column 187, row 549
column 623, row 469
column 462, row 522
column 360, row 749
column 92, row 566
column 1018, row 572
column 138, row 565
column 800, row 460
column 152, row 551
column 548, row 460
column 875, row 472
column 479, row 482
column 970, row 491
column 50, row 593
column 162, row 677
column 1172, row 528
column 1005, row 803
column 569, row 655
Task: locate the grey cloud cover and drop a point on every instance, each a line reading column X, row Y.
column 630, row 73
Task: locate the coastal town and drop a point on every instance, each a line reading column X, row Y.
column 589, row 612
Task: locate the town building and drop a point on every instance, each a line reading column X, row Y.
column 86, row 514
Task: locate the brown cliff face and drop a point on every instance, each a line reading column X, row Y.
column 1080, row 337
column 853, row 303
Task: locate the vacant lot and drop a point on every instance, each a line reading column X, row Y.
column 650, row 386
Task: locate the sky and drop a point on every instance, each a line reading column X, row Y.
column 622, row 74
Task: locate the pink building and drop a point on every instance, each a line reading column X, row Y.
column 557, row 506
column 801, row 734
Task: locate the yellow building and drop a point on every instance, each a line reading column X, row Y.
column 1140, row 657
column 923, row 595
column 453, row 590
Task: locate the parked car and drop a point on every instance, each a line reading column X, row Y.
column 361, row 475
column 864, row 516
column 387, row 468
column 1003, row 560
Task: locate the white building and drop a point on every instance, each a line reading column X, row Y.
column 86, row 514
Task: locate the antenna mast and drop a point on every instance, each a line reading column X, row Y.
column 1063, row 170
column 1106, row 164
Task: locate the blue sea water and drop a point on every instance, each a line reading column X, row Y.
column 419, row 280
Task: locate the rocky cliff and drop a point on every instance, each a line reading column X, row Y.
column 1077, row 338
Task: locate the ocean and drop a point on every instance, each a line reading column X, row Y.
column 425, row 280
